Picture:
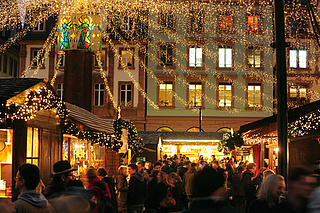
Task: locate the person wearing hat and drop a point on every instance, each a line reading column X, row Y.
column 62, row 174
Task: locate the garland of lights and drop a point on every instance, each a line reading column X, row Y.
column 305, row 124
column 229, row 142
column 135, row 143
column 45, row 99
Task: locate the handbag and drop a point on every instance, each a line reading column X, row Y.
column 168, row 201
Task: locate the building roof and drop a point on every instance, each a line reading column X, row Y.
column 89, row 119
column 293, row 115
column 152, row 137
column 10, row 87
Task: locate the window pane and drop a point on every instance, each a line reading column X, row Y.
column 199, row 57
column 123, row 58
column 192, row 57
column 302, row 58
column 130, row 59
column 35, row 143
column 29, row 141
column 303, row 93
column 221, row 57
column 293, row 92
column 228, row 57
column 293, row 58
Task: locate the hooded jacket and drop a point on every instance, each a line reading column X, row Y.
column 31, row 201
column 137, row 189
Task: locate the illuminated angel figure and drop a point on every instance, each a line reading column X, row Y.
column 63, row 28
column 85, row 24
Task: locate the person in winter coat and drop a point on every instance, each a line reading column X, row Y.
column 166, row 167
column 98, row 188
column 176, row 190
column 122, row 188
column 188, row 181
column 236, row 189
column 269, row 194
column 249, row 193
column 30, row 201
column 103, row 175
column 137, row 190
column 257, row 180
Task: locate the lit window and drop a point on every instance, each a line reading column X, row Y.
column 226, row 22
column 39, row 26
column 166, row 55
column 225, row 56
column 225, row 95
column 62, row 61
column 60, row 90
column 298, row 95
column 98, row 94
column 127, row 58
column 37, row 62
column 195, row 94
column 254, row 95
column 127, row 23
column 196, row 18
column 32, row 146
column 126, row 95
column 254, row 57
column 195, row 57
column 298, row 58
column 166, row 22
column 254, row 23
column 100, row 57
column 165, row 96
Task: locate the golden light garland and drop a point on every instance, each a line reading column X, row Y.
column 111, row 10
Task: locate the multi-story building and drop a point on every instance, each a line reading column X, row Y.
column 210, row 65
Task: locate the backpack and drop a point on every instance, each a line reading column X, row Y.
column 103, row 205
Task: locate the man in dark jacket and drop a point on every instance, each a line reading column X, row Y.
column 29, row 201
column 166, row 168
column 248, row 191
column 137, row 190
column 181, row 170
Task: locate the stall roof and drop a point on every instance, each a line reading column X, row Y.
column 152, row 137
column 10, row 87
column 89, row 119
column 293, row 114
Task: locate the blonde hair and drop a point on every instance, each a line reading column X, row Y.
column 269, row 185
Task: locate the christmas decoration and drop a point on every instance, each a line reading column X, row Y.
column 229, row 142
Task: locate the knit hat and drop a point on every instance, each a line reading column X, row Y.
column 62, row 167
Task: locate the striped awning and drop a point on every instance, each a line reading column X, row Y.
column 89, row 119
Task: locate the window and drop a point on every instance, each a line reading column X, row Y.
column 194, row 129
column 254, row 95
column 195, row 95
column 225, row 56
column 5, row 61
column 164, row 129
column 32, row 146
column 226, row 22
column 298, row 58
column 298, row 95
column 34, row 55
column 254, row 22
column 196, row 21
column 100, row 57
column 15, row 68
column 195, row 56
column 166, row 55
column 298, row 26
column 225, row 95
column 254, row 56
column 127, row 23
column 60, row 90
column 39, row 26
column 10, row 66
column 126, row 94
column 127, row 59
column 165, row 94
column 166, row 22
column 98, row 94
column 62, row 61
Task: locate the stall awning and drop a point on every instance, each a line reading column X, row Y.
column 89, row 119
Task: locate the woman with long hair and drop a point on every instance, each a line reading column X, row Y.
column 176, row 189
column 163, row 188
column 121, row 188
column 268, row 195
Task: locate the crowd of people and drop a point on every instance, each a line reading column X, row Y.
column 169, row 185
